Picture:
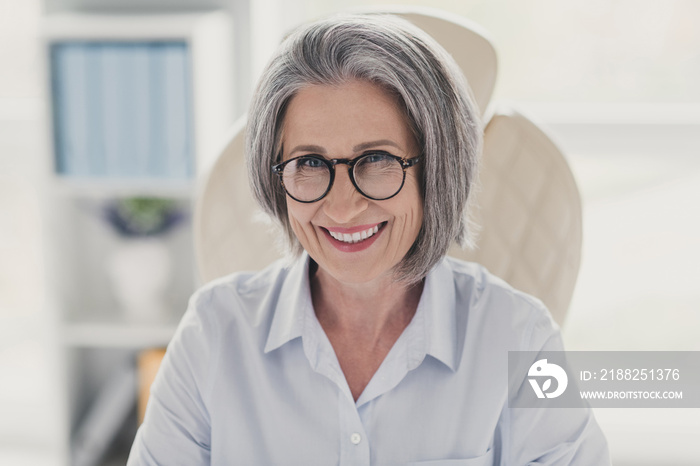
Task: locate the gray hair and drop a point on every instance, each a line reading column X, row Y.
column 432, row 90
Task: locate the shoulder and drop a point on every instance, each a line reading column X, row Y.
column 499, row 310
column 236, row 301
column 242, row 285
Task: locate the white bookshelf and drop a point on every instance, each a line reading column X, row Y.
column 107, row 188
column 94, row 338
column 116, row 335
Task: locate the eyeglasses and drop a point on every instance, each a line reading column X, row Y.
column 375, row 175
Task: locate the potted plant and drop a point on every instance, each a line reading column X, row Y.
column 139, row 267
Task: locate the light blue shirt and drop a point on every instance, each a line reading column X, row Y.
column 250, row 378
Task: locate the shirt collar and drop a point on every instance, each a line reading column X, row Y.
column 436, row 306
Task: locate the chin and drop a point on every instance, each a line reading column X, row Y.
column 352, row 275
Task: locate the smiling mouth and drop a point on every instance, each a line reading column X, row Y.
column 359, row 236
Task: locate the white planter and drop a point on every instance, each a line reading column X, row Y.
column 139, row 269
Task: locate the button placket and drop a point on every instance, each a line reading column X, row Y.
column 354, row 444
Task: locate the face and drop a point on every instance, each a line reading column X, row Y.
column 347, row 121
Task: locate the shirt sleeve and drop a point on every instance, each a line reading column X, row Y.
column 176, row 428
column 553, row 436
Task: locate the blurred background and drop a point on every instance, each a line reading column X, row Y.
column 613, row 81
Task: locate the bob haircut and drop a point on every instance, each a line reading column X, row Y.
column 407, row 63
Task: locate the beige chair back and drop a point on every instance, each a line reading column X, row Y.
column 466, row 41
column 529, row 210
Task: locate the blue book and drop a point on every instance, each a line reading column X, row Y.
column 58, row 91
column 177, row 131
column 127, row 90
column 94, row 109
column 140, row 89
column 70, row 109
column 157, row 152
column 113, row 108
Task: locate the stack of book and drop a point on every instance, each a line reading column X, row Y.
column 122, row 109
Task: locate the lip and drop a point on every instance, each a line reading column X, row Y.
column 353, row 247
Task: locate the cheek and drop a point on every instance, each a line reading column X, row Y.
column 415, row 221
column 300, row 216
column 413, row 187
column 409, row 210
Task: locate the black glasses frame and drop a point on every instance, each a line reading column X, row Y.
column 331, row 163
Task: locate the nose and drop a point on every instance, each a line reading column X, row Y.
column 343, row 203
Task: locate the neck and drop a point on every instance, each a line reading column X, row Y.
column 368, row 310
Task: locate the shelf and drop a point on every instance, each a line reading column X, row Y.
column 128, row 27
column 118, row 187
column 117, row 335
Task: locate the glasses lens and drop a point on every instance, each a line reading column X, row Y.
column 379, row 176
column 306, row 178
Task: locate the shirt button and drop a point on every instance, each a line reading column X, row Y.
column 355, row 438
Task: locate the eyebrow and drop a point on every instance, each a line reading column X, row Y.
column 381, row 142
column 360, row 147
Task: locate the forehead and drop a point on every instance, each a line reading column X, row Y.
column 339, row 118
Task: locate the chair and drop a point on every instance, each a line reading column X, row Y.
column 529, row 207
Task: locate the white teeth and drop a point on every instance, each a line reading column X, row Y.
column 354, row 237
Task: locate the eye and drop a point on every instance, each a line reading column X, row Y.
column 377, row 157
column 378, row 161
column 309, row 162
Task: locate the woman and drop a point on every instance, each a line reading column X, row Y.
column 371, row 347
